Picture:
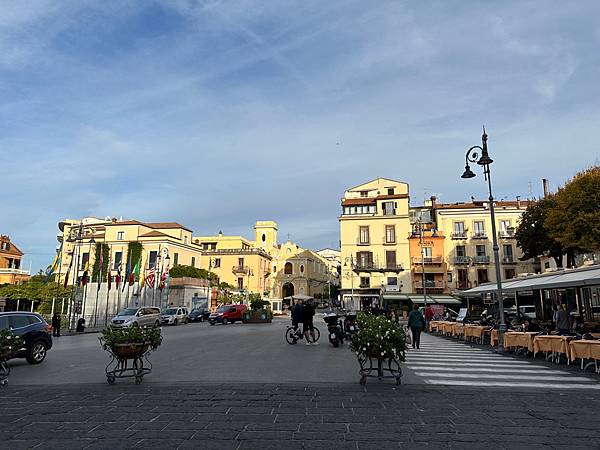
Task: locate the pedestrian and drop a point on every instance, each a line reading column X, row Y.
column 416, row 323
column 56, row 325
column 297, row 314
column 308, row 328
column 428, row 316
column 563, row 321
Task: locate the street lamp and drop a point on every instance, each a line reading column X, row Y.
column 349, row 262
column 484, row 160
column 421, row 229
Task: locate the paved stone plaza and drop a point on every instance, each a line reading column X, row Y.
column 241, row 386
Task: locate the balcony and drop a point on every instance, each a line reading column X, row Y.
column 437, row 286
column 427, row 260
column 240, row 270
column 391, row 288
column 479, row 235
column 482, row 259
column 365, row 242
column 506, row 234
column 509, row 260
column 11, row 271
column 464, row 260
column 372, row 267
column 459, row 235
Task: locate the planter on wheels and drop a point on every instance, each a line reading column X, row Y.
column 127, row 361
column 376, row 366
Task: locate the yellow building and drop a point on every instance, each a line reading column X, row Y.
column 468, row 243
column 10, row 263
column 263, row 266
column 164, row 244
column 374, row 230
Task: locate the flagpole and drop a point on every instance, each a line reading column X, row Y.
column 99, row 284
column 85, row 286
column 108, row 273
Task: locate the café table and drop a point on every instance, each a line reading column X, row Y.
column 519, row 339
column 585, row 349
column 553, row 344
column 458, row 330
column 474, row 333
column 435, row 325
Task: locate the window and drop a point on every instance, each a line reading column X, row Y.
column 288, row 268
column 427, row 252
column 390, row 191
column 264, row 238
column 507, row 249
column 480, row 250
column 504, row 226
column 390, row 259
column 118, row 260
column 363, row 237
column 460, row 251
column 217, row 262
column 19, row 321
column 463, row 279
column 364, row 259
column 482, row 276
column 366, row 209
column 175, row 259
column 85, row 259
column 459, row 228
column 240, row 283
column 301, row 269
column 4, row 323
column 193, row 261
column 390, row 234
column 392, row 281
column 479, row 228
column 389, row 208
column 364, row 193
column 152, row 259
column 185, row 239
column 5, row 246
column 509, row 273
column 120, row 235
column 449, row 278
column 365, row 282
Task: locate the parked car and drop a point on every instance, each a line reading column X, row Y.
column 227, row 313
column 199, row 315
column 175, row 315
column 140, row 316
column 36, row 332
column 528, row 311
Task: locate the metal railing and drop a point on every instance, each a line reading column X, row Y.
column 427, row 260
column 11, row 271
column 483, row 259
column 240, row 269
column 509, row 260
column 506, row 233
column 459, row 235
column 479, row 235
column 374, row 267
column 462, row 260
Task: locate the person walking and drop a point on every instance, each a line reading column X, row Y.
column 56, row 325
column 563, row 321
column 297, row 314
column 308, row 312
column 416, row 323
column 428, row 316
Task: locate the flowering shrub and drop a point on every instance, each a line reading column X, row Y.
column 9, row 343
column 378, row 336
column 132, row 335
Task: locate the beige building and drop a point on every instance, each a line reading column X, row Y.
column 374, row 230
column 333, row 259
column 468, row 248
column 10, row 263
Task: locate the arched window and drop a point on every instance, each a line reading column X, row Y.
column 302, row 269
column 264, row 237
column 287, row 269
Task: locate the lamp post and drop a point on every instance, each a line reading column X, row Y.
column 349, row 262
column 419, row 226
column 484, row 160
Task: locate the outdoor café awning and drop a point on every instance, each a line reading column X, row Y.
column 395, row 296
column 440, row 299
column 583, row 276
column 299, row 297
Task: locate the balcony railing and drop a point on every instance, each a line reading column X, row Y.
column 427, row 260
column 240, row 269
column 459, row 235
column 430, row 285
column 360, row 241
column 483, row 259
column 508, row 260
column 11, row 271
column 479, row 235
column 462, row 260
column 374, row 267
column 506, row 234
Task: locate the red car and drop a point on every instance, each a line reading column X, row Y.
column 227, row 314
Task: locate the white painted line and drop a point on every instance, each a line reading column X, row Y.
column 517, row 369
column 478, row 364
column 557, row 377
column 468, row 360
column 512, row 384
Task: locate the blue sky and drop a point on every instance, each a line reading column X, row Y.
column 216, row 114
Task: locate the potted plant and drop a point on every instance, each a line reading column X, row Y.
column 379, row 345
column 128, row 347
column 9, row 345
column 259, row 312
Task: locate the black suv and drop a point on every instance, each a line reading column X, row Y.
column 33, row 329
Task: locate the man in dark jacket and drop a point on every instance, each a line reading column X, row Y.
column 308, row 312
column 416, row 323
column 297, row 314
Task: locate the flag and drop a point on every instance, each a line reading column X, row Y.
column 135, row 272
column 127, row 271
column 68, row 272
column 163, row 279
column 118, row 277
column 100, row 272
column 84, row 278
column 143, row 279
column 52, row 267
column 108, row 270
column 150, row 278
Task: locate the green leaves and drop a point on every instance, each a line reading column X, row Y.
column 10, row 343
column 132, row 335
column 378, row 336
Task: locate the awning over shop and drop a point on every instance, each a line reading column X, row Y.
column 395, row 296
column 440, row 299
column 583, row 276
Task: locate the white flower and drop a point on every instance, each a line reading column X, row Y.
column 382, row 353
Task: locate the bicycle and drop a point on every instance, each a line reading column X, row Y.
column 293, row 335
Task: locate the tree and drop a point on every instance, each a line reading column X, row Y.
column 574, row 221
column 532, row 234
column 191, row 272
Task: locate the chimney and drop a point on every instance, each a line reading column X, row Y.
column 433, row 201
column 546, row 187
column 518, row 202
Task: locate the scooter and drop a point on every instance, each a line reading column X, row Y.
column 350, row 326
column 334, row 329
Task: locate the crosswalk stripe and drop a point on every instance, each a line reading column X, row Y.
column 504, row 376
column 512, row 384
column 472, row 365
column 470, row 360
column 476, row 369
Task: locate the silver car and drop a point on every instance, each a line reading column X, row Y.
column 175, row 315
column 140, row 316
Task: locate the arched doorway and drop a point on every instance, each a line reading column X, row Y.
column 287, row 290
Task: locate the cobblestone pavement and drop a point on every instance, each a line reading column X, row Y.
column 294, row 416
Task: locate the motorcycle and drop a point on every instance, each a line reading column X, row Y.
column 334, row 329
column 350, row 326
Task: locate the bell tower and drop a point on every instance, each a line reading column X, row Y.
column 265, row 233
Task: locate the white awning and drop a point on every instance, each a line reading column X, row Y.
column 440, row 299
